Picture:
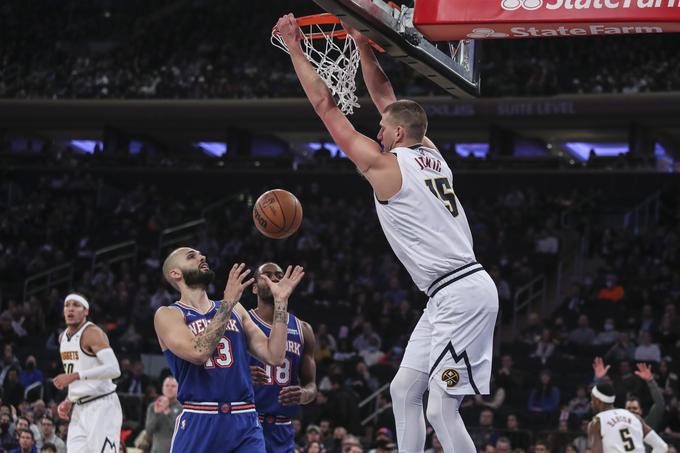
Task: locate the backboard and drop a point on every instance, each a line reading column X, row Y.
column 451, row 65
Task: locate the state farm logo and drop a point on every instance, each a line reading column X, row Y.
column 484, row 33
column 511, row 5
column 532, row 5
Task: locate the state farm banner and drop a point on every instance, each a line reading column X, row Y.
column 447, row 20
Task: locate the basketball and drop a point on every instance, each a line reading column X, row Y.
column 277, row 214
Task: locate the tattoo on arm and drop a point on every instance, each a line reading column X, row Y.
column 207, row 340
column 280, row 314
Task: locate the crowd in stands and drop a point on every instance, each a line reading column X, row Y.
column 621, row 308
column 221, row 49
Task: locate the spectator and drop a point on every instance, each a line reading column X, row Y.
column 667, row 380
column 544, row 348
column 582, row 335
column 494, row 400
column 518, row 439
column 484, row 432
column 26, row 442
column 579, row 405
column 137, row 382
column 367, row 339
column 12, row 390
column 351, row 444
column 646, row 350
column 541, row 447
column 48, row 448
column 511, row 380
column 503, row 445
column 48, row 436
column 612, row 291
column 314, row 447
column 544, row 401
column 313, row 434
column 621, row 350
column 161, row 416
column 7, row 435
column 31, row 373
column 9, row 360
column 608, row 336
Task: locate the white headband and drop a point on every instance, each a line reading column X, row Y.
column 78, row 298
column 602, row 397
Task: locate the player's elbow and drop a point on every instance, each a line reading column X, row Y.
column 324, row 106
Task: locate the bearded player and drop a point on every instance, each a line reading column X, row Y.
column 279, row 391
column 450, row 349
column 89, row 365
column 208, row 345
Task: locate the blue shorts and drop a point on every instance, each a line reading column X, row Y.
column 279, row 436
column 222, row 432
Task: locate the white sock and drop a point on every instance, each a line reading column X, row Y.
column 442, row 412
column 407, row 390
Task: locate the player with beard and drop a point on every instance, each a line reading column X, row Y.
column 89, row 365
column 279, row 391
column 206, row 344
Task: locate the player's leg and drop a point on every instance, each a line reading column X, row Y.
column 247, row 433
column 442, row 413
column 463, row 317
column 279, row 438
column 104, row 420
column 76, row 440
column 407, row 389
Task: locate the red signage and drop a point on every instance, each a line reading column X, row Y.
column 446, row 20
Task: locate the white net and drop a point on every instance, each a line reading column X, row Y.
column 336, row 61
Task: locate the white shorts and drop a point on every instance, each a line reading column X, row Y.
column 453, row 340
column 95, row 426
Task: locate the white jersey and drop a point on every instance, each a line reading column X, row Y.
column 621, row 432
column 75, row 359
column 424, row 222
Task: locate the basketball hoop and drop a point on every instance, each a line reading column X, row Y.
column 333, row 53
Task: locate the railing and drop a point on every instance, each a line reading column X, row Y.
column 48, row 279
column 180, row 234
column 115, row 253
column 371, row 398
column 526, row 297
column 644, row 214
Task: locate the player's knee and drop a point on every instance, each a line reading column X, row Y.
column 434, row 413
column 397, row 390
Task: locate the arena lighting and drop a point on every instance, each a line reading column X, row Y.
column 85, row 146
column 472, row 149
column 581, row 150
column 332, row 147
column 214, row 149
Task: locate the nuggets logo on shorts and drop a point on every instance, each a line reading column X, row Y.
column 451, row 377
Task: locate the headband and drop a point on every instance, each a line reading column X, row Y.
column 602, row 397
column 78, row 298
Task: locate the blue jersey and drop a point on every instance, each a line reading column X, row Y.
column 267, row 395
column 225, row 377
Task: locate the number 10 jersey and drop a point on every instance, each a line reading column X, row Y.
column 424, row 222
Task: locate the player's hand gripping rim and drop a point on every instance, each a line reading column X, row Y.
column 236, row 283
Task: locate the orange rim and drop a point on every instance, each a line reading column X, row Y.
column 328, row 19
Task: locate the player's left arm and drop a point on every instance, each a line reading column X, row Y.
column 94, row 341
column 272, row 350
column 364, row 152
column 652, row 439
column 304, row 393
column 594, row 436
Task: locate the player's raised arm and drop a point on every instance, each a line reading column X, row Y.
column 364, row 152
column 272, row 350
column 174, row 334
column 377, row 83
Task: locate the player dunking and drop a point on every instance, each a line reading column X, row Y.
column 280, row 390
column 618, row 430
column 450, row 349
column 89, row 365
column 206, row 344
